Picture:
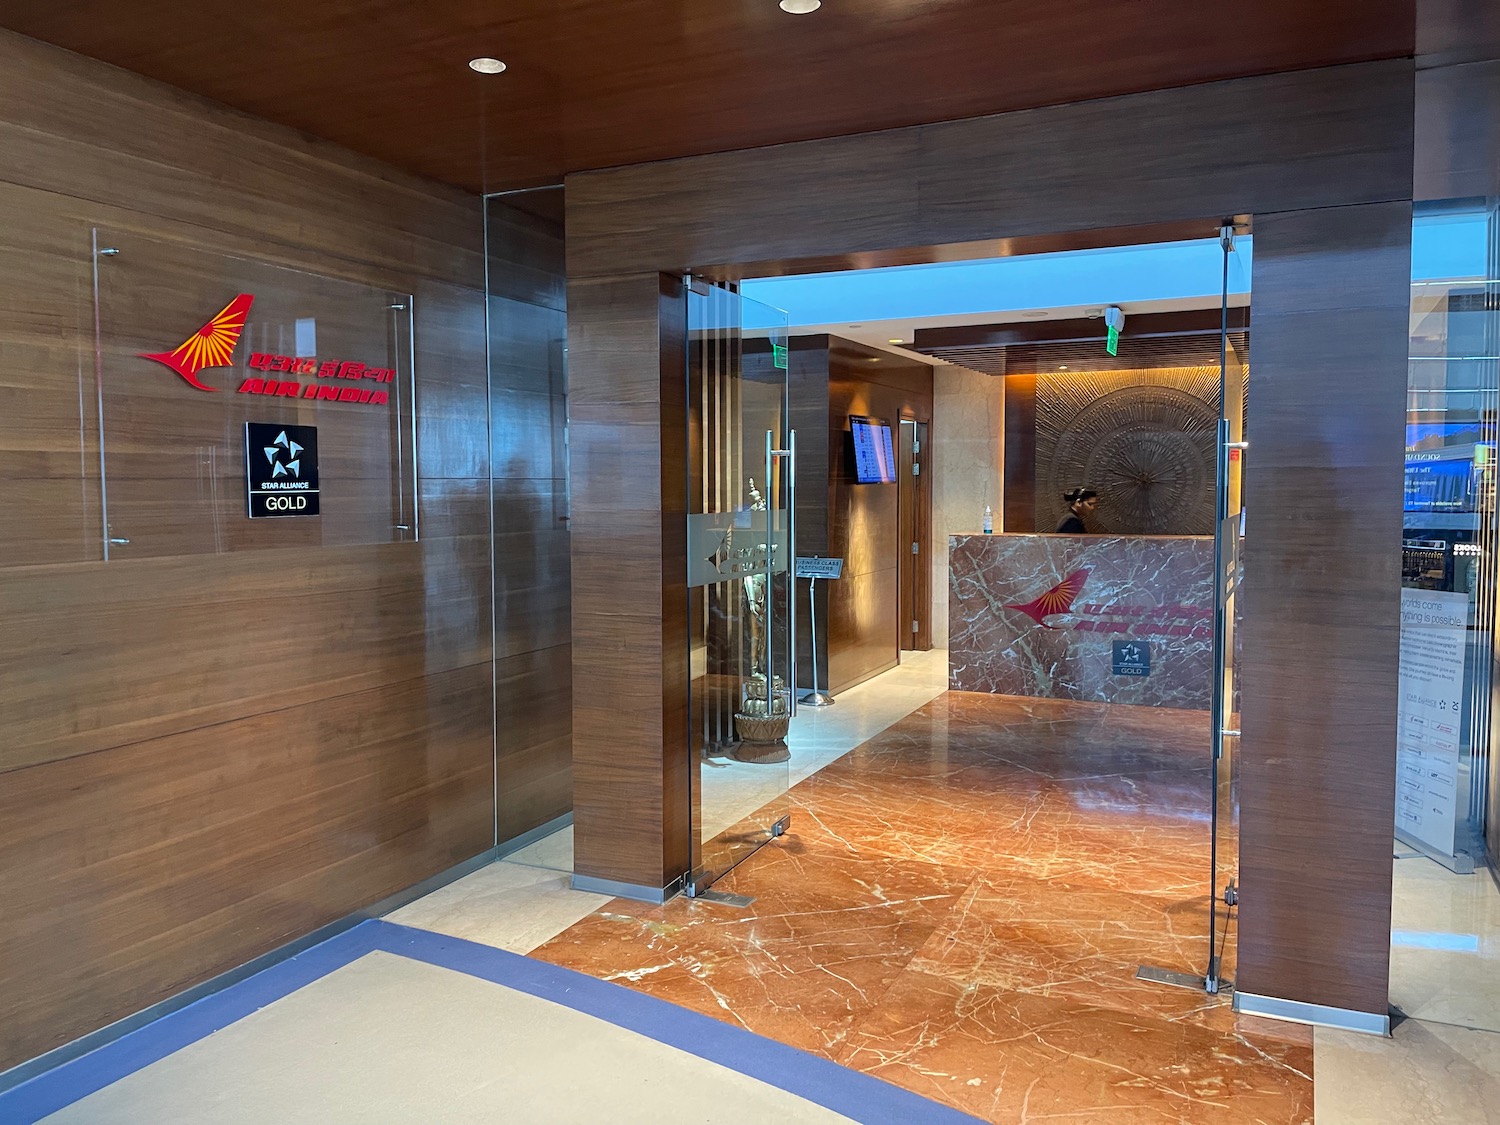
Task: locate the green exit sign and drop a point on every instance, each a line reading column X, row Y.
column 778, row 355
column 1112, row 345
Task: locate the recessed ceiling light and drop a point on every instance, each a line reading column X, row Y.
column 1064, row 367
column 800, row 7
column 486, row 65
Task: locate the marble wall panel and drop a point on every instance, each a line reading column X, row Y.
column 1038, row 615
column 967, row 441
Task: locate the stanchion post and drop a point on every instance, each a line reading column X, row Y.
column 814, row 698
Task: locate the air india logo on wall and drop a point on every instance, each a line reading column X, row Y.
column 213, row 345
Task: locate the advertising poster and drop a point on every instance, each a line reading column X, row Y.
column 1434, row 630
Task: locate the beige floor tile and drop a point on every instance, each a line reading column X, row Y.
column 505, row 905
column 390, row 1041
column 1433, row 908
column 1428, row 1074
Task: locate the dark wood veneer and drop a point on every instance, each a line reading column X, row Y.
column 613, row 82
column 1332, row 151
column 1322, row 582
column 204, row 756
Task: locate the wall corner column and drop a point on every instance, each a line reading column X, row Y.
column 628, row 475
column 1323, row 488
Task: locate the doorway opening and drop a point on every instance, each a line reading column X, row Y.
column 929, row 428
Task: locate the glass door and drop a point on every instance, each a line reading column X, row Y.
column 740, row 541
column 1229, row 568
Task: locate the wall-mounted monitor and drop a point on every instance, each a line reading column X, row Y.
column 874, row 451
column 1440, row 485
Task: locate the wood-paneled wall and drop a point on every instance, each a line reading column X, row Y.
column 1334, row 138
column 627, row 340
column 204, row 756
column 807, row 401
column 863, row 621
column 1321, row 621
column 528, row 465
column 859, row 615
column 1278, row 142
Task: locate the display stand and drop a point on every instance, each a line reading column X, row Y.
column 812, row 569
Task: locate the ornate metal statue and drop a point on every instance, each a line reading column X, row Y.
column 761, row 722
column 755, row 598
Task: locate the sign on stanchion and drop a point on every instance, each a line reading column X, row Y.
column 813, row 568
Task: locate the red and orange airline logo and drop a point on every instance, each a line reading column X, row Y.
column 211, row 346
column 1057, row 600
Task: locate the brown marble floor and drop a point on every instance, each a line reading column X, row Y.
column 960, row 907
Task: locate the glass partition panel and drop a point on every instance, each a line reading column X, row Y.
column 1229, row 553
column 196, row 349
column 1445, row 916
column 49, row 457
column 740, row 541
column 1448, row 548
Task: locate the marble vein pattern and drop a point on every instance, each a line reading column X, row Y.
column 1153, row 591
column 960, row 907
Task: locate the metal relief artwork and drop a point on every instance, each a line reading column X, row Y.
column 1144, row 440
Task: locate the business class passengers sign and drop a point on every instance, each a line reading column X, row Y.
column 272, row 374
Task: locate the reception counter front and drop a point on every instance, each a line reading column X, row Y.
column 1114, row 619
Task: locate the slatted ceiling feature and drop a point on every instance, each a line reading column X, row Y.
column 1135, row 353
column 603, row 83
column 1088, row 355
column 983, row 361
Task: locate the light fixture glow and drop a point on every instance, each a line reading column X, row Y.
column 800, row 7
column 486, row 65
column 897, row 340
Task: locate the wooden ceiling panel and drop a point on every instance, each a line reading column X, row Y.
column 596, row 83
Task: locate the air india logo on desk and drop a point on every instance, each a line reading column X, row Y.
column 213, row 345
column 1057, row 600
column 1111, row 616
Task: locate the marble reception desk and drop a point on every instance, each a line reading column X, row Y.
column 1114, row 619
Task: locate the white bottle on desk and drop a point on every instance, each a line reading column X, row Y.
column 989, row 521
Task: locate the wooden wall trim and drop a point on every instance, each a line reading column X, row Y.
column 1278, row 142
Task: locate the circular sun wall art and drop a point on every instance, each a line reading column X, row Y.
column 1147, row 448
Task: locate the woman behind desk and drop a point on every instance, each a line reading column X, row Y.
column 1081, row 502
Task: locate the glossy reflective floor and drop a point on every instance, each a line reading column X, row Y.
column 960, row 908
column 1442, row 1064
column 1445, row 944
column 733, row 790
